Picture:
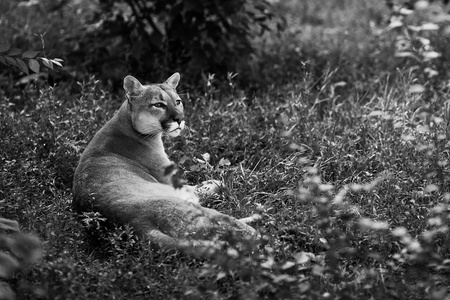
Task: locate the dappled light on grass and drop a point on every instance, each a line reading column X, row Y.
column 347, row 163
column 342, row 213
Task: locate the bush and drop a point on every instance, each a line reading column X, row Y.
column 18, row 252
column 422, row 35
column 193, row 36
column 17, row 58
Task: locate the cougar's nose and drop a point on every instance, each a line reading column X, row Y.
column 178, row 120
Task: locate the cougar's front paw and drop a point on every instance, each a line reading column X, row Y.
column 189, row 194
column 208, row 188
column 251, row 219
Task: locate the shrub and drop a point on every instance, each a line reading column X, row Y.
column 421, row 32
column 196, row 36
column 10, row 56
column 18, row 252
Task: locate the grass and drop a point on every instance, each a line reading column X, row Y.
column 346, row 163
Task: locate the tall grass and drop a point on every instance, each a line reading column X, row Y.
column 345, row 159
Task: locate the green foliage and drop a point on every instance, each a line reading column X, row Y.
column 322, row 36
column 11, row 56
column 345, row 158
column 196, row 36
column 18, row 251
column 350, row 204
column 420, row 30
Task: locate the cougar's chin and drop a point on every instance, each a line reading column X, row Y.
column 174, row 129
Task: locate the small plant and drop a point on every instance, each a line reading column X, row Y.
column 18, row 250
column 26, row 61
column 417, row 27
column 93, row 220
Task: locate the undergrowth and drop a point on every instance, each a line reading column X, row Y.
column 354, row 202
column 349, row 171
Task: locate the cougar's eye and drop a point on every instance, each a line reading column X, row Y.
column 159, row 105
column 178, row 102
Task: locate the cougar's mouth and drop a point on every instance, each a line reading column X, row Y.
column 179, row 128
column 174, row 129
column 169, row 128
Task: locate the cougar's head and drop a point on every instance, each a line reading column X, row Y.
column 155, row 108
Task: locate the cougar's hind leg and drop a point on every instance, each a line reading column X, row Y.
column 162, row 240
column 198, row 248
column 220, row 220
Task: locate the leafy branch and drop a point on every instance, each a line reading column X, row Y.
column 27, row 60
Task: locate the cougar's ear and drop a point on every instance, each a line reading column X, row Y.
column 173, row 80
column 131, row 85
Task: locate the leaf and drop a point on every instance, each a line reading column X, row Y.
column 283, row 278
column 27, row 79
column 56, row 62
column 11, row 61
column 26, row 247
column 429, row 26
column 287, row 265
column 394, row 24
column 206, row 157
column 421, row 4
column 233, row 253
column 414, row 28
column 47, row 63
column 406, row 54
column 423, row 129
column 416, row 88
column 323, row 240
column 269, row 263
column 14, row 51
column 6, row 292
column 8, row 265
column 399, row 232
column 377, row 113
column 4, row 47
column 224, row 162
column 195, row 168
column 30, row 54
column 304, row 287
column 204, row 273
column 34, row 65
column 407, row 138
column 22, row 65
column 424, row 41
column 431, row 72
column 221, row 275
column 303, row 257
column 318, row 270
column 405, row 12
column 431, row 55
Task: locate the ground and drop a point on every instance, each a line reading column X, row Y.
column 345, row 157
